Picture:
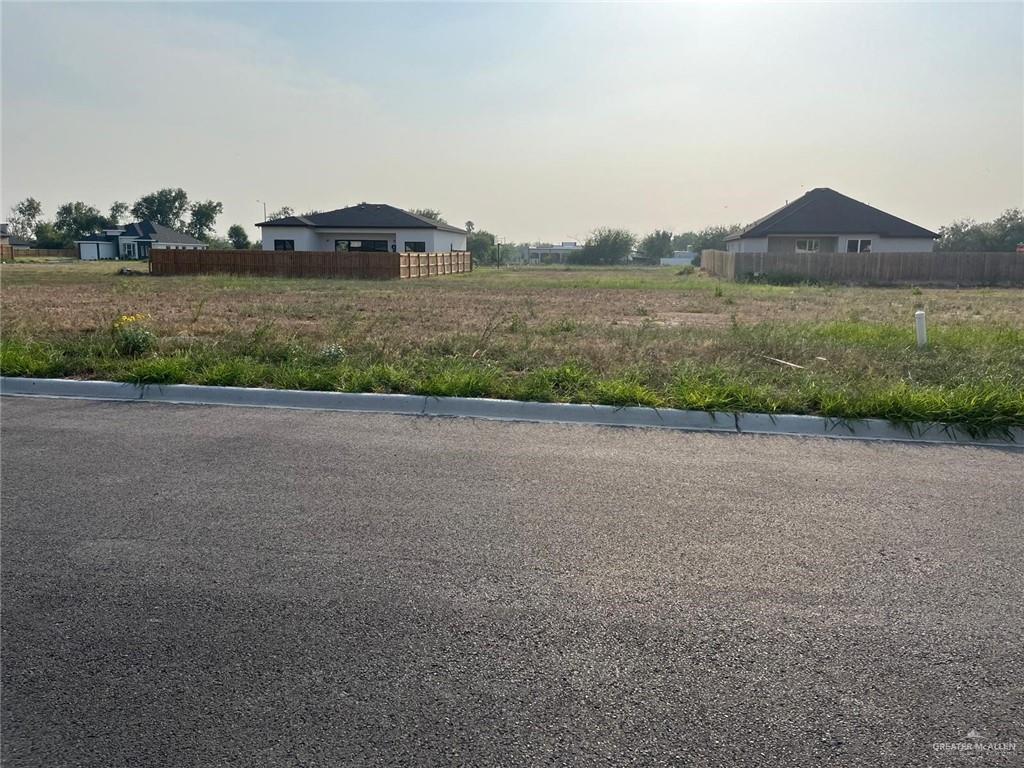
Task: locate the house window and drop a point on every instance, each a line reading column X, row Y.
column 284, row 245
column 416, row 246
column 807, row 246
column 375, row 246
column 128, row 250
column 858, row 246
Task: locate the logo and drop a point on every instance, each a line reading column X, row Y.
column 975, row 741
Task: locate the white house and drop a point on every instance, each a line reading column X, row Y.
column 134, row 241
column 558, row 254
column 825, row 221
column 372, row 227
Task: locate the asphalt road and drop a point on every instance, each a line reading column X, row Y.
column 201, row 586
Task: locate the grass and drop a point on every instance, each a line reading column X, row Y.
column 610, row 336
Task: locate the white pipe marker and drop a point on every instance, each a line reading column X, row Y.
column 922, row 331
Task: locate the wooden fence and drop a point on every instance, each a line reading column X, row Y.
column 8, row 253
column 929, row 268
column 379, row 266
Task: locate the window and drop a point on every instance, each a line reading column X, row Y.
column 128, row 250
column 416, row 246
column 858, row 246
column 377, row 246
column 284, row 245
column 807, row 246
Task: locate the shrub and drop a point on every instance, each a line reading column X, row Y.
column 131, row 335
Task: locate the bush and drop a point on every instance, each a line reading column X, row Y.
column 131, row 336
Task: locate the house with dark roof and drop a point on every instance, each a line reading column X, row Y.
column 13, row 241
column 825, row 221
column 367, row 227
column 134, row 241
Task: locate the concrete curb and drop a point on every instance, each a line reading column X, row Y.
column 510, row 410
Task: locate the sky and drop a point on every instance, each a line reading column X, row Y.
column 537, row 121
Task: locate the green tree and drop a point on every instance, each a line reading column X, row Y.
column 1004, row 233
column 657, row 245
column 47, row 236
column 24, row 217
column 75, row 220
column 281, row 213
column 203, row 217
column 482, row 245
column 470, row 226
column 605, row 246
column 117, row 210
column 238, row 237
column 165, row 206
column 429, row 213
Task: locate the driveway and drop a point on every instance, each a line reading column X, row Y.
column 188, row 585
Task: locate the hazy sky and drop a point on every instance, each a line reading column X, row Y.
column 536, row 121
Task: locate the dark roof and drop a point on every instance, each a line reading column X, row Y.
column 14, row 240
column 145, row 230
column 824, row 211
column 362, row 216
column 159, row 233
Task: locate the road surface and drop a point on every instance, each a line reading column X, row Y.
column 189, row 585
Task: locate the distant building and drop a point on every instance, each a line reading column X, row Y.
column 363, row 228
column 679, row 258
column 552, row 254
column 134, row 241
column 13, row 241
column 825, row 221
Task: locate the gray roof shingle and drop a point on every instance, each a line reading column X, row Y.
column 362, row 216
column 824, row 211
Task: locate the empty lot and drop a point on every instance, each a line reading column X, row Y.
column 617, row 336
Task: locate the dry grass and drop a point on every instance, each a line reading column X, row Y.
column 618, row 336
column 85, row 297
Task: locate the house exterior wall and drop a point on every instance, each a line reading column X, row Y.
column 304, row 237
column 308, row 239
column 748, row 245
column 179, row 246
column 91, row 251
column 831, row 243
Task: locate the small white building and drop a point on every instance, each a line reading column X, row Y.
column 134, row 241
column 825, row 221
column 679, row 259
column 552, row 254
column 367, row 227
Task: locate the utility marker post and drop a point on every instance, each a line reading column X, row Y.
column 922, row 331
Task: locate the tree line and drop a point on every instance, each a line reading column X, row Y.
column 76, row 220
column 606, row 245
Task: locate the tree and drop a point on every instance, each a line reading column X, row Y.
column 1004, row 233
column 25, row 217
column 76, row 220
column 238, row 237
column 470, row 226
column 605, row 246
column 710, row 237
column 117, row 210
column 657, row 245
column 429, row 213
column 482, row 245
column 47, row 236
column 165, row 206
column 281, row 213
column 203, row 217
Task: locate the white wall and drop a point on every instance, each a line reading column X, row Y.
column 902, row 245
column 748, row 245
column 448, row 241
column 307, row 239
column 304, row 237
column 878, row 244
